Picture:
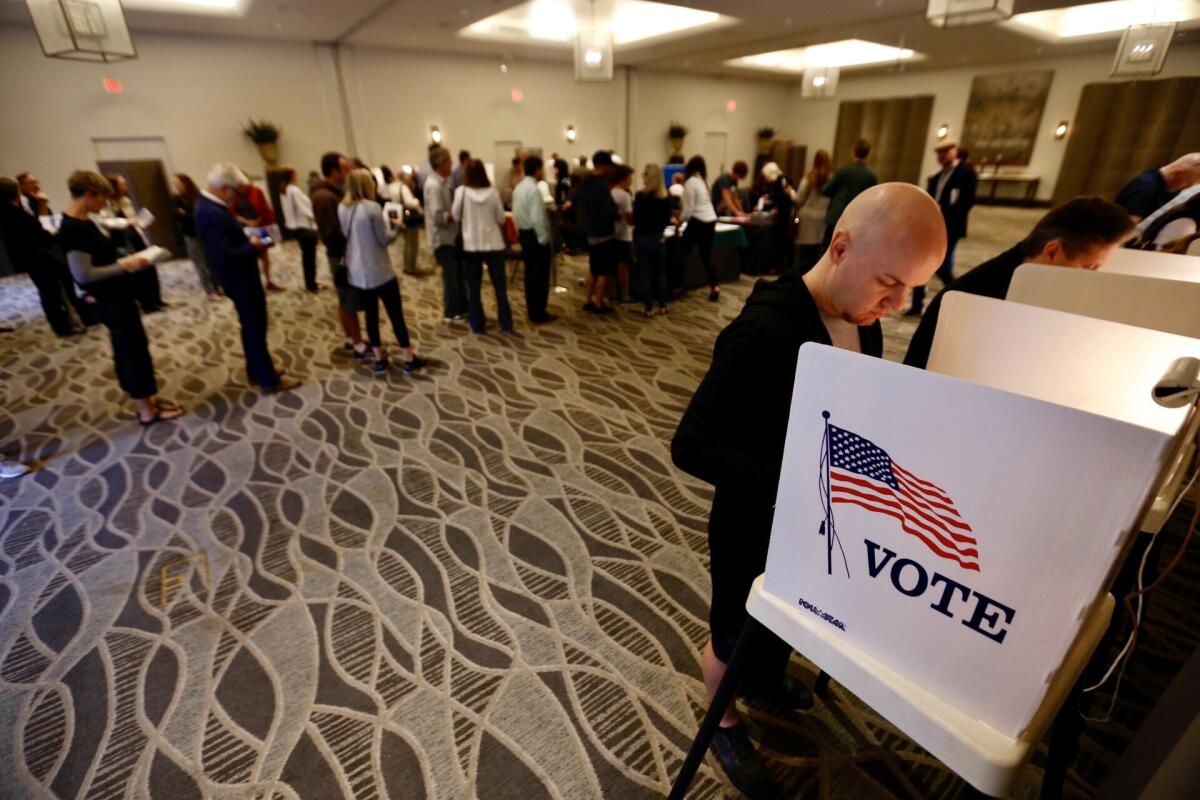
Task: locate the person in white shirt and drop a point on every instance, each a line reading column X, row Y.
column 478, row 208
column 399, row 191
column 532, row 219
column 300, row 222
column 622, row 182
column 368, row 235
column 701, row 219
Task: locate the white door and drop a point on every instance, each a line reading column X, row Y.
column 715, row 145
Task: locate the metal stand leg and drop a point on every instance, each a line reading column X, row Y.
column 751, row 632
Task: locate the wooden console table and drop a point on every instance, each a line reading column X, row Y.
column 1031, row 186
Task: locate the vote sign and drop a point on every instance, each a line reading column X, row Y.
column 957, row 533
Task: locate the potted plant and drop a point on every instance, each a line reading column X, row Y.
column 675, row 132
column 766, row 135
column 265, row 136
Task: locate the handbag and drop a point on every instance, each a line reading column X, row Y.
column 413, row 218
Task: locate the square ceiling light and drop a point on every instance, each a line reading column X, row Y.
column 956, row 13
column 594, row 56
column 82, row 30
column 1100, row 20
column 561, row 21
column 211, row 7
column 844, row 54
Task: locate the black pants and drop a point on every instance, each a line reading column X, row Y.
column 250, row 302
column 537, row 275
column 700, row 234
column 308, row 255
column 945, row 272
column 146, row 289
column 389, row 295
column 55, row 295
column 116, row 308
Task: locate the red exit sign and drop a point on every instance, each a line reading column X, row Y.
column 113, row 86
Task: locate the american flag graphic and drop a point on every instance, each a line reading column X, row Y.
column 863, row 474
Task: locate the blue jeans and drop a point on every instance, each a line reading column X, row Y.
column 652, row 261
column 494, row 260
column 454, row 281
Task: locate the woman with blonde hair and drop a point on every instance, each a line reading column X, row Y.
column 97, row 268
column 651, row 215
column 369, row 267
column 811, row 206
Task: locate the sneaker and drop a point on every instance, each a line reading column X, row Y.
column 415, row 363
column 591, row 307
column 381, row 366
column 12, row 469
column 606, row 309
column 348, row 346
column 362, row 355
column 714, row 296
column 788, row 694
column 742, row 763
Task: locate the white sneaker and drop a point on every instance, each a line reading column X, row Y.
column 12, row 469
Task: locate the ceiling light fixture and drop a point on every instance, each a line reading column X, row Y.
column 819, row 82
column 844, row 54
column 957, row 13
column 1102, row 19
column 628, row 21
column 224, row 7
column 82, row 31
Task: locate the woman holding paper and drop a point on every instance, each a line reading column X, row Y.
column 368, row 235
column 93, row 259
column 126, row 225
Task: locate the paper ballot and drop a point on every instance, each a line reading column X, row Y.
column 154, row 254
column 144, row 218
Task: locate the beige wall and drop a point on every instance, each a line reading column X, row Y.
column 194, row 93
column 814, row 122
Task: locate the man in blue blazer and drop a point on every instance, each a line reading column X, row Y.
column 953, row 187
column 234, row 260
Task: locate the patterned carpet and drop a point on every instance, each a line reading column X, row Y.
column 486, row 581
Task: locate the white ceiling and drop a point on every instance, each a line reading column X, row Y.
column 763, row 25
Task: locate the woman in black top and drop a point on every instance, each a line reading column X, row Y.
column 92, row 257
column 651, row 215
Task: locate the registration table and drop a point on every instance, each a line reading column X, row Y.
column 730, row 246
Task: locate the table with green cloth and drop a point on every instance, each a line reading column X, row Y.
column 730, row 246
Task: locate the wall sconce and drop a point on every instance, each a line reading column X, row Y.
column 435, row 134
column 1060, row 131
column 943, row 130
column 571, row 133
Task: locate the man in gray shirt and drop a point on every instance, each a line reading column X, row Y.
column 441, row 230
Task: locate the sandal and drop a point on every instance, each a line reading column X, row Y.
column 164, row 410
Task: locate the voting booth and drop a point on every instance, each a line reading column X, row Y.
column 1154, row 265
column 954, row 577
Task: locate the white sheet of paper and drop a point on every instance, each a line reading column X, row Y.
column 144, row 218
column 1049, row 495
column 155, row 254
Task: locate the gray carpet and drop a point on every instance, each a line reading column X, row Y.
column 484, row 581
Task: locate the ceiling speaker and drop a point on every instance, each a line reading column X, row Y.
column 956, row 13
column 819, row 82
column 594, row 56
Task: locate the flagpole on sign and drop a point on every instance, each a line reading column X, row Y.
column 827, row 524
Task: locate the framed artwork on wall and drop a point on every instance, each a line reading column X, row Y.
column 1003, row 116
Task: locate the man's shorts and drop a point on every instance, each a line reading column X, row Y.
column 602, row 258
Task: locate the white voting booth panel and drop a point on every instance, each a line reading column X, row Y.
column 1092, row 365
column 1147, row 302
column 964, row 555
column 1153, row 265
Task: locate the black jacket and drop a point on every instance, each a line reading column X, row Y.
column 230, row 255
column 957, row 197
column 27, row 241
column 989, row 279
column 597, row 206
column 733, row 431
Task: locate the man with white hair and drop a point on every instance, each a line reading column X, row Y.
column 1153, row 188
column 234, row 260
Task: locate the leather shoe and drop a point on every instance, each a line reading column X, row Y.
column 742, row 763
column 788, row 694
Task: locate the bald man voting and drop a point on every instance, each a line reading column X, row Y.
column 889, row 240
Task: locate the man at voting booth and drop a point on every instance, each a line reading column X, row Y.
column 889, row 239
column 1081, row 233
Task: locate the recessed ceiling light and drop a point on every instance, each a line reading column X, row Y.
column 560, row 20
column 1101, row 19
column 846, row 53
column 188, row 6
